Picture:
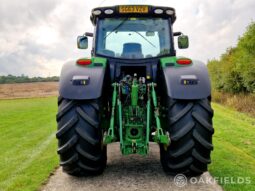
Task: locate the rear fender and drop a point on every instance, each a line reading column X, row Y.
column 187, row 82
column 81, row 82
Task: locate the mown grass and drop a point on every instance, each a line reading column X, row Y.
column 27, row 142
column 233, row 157
column 28, row 145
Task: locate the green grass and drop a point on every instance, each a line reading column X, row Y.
column 27, row 142
column 234, row 148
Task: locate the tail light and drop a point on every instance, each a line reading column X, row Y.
column 184, row 61
column 84, row 62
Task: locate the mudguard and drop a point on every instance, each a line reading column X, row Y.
column 187, row 82
column 81, row 82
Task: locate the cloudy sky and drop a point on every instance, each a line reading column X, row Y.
column 37, row 37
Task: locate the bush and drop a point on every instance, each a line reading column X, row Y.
column 235, row 70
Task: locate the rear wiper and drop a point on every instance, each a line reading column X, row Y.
column 117, row 27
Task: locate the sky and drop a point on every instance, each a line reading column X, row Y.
column 38, row 37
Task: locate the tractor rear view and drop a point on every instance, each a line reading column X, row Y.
column 134, row 90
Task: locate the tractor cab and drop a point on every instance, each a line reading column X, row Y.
column 133, row 35
column 132, row 32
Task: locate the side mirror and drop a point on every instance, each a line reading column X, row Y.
column 82, row 42
column 183, row 41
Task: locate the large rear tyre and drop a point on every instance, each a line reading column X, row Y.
column 80, row 137
column 190, row 128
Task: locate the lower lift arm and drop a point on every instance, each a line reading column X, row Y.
column 159, row 137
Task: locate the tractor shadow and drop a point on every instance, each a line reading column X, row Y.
column 133, row 165
column 132, row 172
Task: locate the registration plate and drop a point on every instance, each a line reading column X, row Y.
column 133, row 9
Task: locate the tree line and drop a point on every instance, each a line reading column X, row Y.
column 10, row 79
column 234, row 72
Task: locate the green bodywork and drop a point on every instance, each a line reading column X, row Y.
column 164, row 62
column 96, row 61
column 171, row 61
column 132, row 123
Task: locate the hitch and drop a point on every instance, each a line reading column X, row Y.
column 134, row 120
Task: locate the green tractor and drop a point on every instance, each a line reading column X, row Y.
column 134, row 90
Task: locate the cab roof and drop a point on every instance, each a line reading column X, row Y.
column 132, row 11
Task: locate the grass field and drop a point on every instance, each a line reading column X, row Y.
column 234, row 149
column 28, row 144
